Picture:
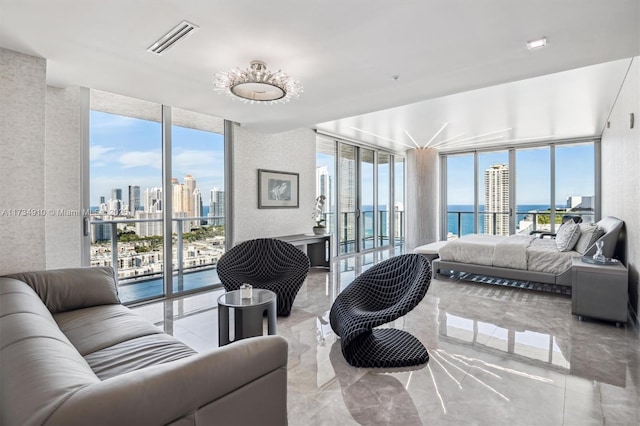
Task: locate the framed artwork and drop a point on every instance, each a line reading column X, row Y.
column 277, row 189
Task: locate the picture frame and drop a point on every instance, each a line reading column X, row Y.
column 277, row 190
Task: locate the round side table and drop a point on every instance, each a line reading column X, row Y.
column 248, row 314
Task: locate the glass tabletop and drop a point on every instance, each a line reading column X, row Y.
column 606, row 261
column 258, row 297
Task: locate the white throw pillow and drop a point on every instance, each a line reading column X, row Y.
column 589, row 234
column 567, row 236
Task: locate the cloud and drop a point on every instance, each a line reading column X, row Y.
column 96, row 151
column 198, row 163
column 141, row 159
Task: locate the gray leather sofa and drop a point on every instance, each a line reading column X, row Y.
column 71, row 354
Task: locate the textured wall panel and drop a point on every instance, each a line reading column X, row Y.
column 620, row 172
column 63, row 189
column 422, row 197
column 293, row 151
column 22, row 129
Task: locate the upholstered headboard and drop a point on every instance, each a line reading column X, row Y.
column 611, row 226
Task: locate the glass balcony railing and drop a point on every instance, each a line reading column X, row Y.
column 347, row 224
column 134, row 248
column 497, row 223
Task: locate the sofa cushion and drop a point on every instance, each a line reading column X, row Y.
column 137, row 353
column 589, row 234
column 39, row 366
column 66, row 289
column 99, row 327
column 567, row 236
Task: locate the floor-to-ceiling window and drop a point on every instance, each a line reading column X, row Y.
column 533, row 189
column 325, row 180
column 460, row 195
column 384, row 206
column 367, row 199
column 197, row 186
column 493, row 193
column 398, row 197
column 520, row 189
column 575, row 180
column 362, row 185
column 127, row 191
column 348, row 198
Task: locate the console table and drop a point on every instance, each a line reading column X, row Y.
column 317, row 247
column 599, row 291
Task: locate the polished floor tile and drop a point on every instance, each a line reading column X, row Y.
column 499, row 356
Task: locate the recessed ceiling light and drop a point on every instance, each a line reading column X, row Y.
column 537, row 43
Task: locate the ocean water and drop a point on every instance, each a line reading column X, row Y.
column 466, row 218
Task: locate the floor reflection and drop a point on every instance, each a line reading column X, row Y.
column 374, row 397
column 498, row 356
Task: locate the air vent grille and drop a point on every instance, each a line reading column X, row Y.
column 182, row 30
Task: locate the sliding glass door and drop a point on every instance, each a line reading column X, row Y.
column 369, row 201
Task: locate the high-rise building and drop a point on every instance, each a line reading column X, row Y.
column 134, row 199
column 323, row 186
column 496, row 199
column 115, row 203
column 116, row 194
column 197, row 206
column 153, row 200
column 216, row 207
column 189, row 187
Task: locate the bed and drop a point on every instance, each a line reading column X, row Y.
column 525, row 257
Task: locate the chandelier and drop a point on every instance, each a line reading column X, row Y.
column 257, row 84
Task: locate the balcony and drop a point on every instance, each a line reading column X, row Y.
column 134, row 248
column 496, row 223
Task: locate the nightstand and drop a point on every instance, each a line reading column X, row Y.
column 599, row 291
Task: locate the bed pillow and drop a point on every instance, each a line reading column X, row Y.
column 589, row 234
column 567, row 236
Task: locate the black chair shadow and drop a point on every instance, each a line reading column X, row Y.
column 381, row 294
column 374, row 398
column 266, row 263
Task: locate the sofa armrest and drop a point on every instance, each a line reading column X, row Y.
column 163, row 393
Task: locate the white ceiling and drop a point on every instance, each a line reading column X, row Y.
column 461, row 62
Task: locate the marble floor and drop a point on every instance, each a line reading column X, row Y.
column 499, row 356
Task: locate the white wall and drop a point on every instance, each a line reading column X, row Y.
column 293, row 151
column 621, row 175
column 22, row 130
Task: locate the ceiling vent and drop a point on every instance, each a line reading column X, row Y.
column 182, row 30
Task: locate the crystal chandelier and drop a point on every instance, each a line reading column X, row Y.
column 257, row 84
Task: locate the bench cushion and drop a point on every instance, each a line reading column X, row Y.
column 430, row 251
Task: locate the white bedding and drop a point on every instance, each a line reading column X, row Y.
column 525, row 252
column 472, row 248
column 543, row 256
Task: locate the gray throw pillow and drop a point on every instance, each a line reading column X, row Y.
column 567, row 236
column 589, row 234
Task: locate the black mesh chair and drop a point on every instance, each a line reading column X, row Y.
column 266, row 263
column 379, row 295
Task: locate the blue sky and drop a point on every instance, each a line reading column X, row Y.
column 127, row 151
column 574, row 174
